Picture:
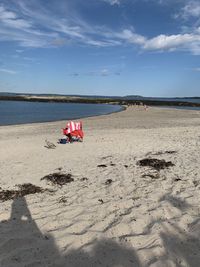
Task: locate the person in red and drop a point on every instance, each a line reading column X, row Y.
column 74, row 130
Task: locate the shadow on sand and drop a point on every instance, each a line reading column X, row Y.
column 23, row 244
column 182, row 246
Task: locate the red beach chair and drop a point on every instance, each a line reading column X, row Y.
column 73, row 131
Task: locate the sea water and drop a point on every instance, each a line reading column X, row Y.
column 20, row 112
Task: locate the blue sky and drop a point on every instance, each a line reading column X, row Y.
column 104, row 47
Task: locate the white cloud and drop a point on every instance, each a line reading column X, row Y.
column 43, row 28
column 191, row 9
column 17, row 23
column 29, row 24
column 4, row 14
column 8, row 71
column 196, row 69
column 132, row 37
column 10, row 19
column 113, row 2
column 104, row 72
column 188, row 42
column 168, row 42
column 19, row 50
column 15, row 28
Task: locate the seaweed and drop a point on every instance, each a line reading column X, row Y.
column 157, row 164
column 101, row 166
column 101, row 201
column 58, row 178
column 24, row 189
column 108, row 181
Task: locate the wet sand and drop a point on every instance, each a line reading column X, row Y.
column 114, row 212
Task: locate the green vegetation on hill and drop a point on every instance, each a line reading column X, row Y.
column 94, row 100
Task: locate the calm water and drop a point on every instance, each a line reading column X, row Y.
column 18, row 112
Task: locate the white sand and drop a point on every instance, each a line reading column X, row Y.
column 143, row 220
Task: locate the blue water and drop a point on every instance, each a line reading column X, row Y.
column 19, row 112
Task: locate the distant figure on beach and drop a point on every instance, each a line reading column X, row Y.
column 143, row 106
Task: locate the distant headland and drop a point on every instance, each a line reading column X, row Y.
column 97, row 99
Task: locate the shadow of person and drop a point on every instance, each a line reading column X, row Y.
column 21, row 241
column 23, row 244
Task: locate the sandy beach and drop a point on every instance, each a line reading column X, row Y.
column 115, row 212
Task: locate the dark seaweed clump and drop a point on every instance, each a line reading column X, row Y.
column 24, row 189
column 102, row 166
column 58, row 178
column 157, row 164
column 108, row 181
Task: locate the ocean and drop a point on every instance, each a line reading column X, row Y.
column 21, row 112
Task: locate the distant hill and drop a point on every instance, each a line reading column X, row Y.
column 51, row 95
column 127, row 97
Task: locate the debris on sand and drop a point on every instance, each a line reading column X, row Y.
column 152, row 176
column 196, row 183
column 157, row 164
column 170, row 152
column 62, row 200
column 106, row 157
column 59, row 169
column 177, row 179
column 24, row 189
column 161, row 152
column 49, row 145
column 84, row 179
column 108, row 181
column 58, row 178
column 101, row 201
column 101, row 166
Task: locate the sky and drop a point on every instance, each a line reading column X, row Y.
column 100, row 47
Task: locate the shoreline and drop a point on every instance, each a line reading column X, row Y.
column 122, row 108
